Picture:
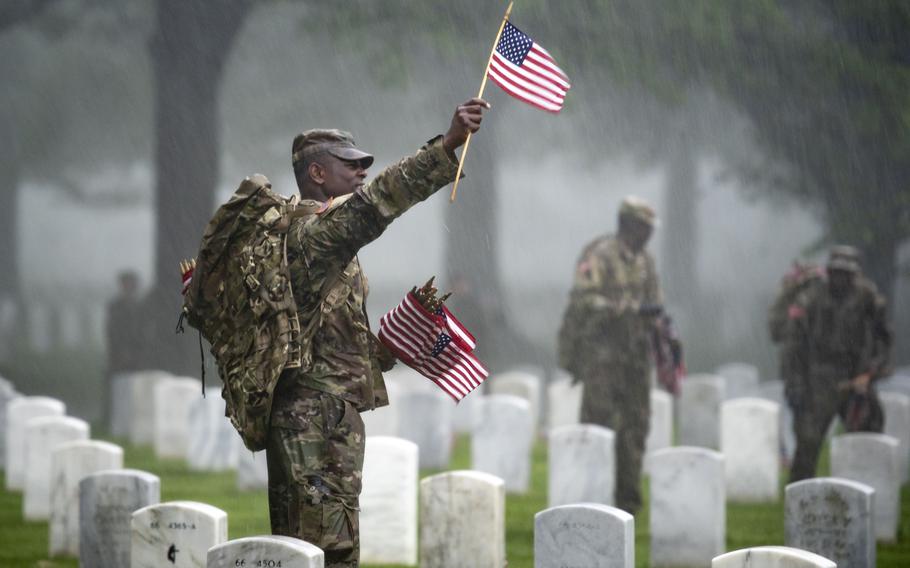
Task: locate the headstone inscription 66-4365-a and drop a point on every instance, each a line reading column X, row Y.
column 177, row 534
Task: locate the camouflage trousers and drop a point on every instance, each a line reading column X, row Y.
column 315, row 462
column 812, row 417
column 618, row 398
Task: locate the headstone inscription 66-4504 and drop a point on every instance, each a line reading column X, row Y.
column 176, row 533
column 270, row 551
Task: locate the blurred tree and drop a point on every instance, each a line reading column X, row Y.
column 824, row 84
column 13, row 14
column 189, row 48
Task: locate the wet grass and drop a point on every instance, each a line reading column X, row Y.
column 24, row 544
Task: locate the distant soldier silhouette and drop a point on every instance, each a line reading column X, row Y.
column 605, row 339
column 843, row 344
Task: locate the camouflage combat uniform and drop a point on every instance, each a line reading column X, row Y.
column 605, row 344
column 316, row 438
column 784, row 331
column 839, row 338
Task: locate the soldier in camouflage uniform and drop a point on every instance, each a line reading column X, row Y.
column 783, row 330
column 316, row 438
column 844, row 344
column 605, row 339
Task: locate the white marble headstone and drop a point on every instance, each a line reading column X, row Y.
column 749, row 442
column 774, row 391
column 121, row 405
column 176, row 533
column 269, row 551
column 587, row 534
column 383, row 421
column 897, row 423
column 425, row 418
column 142, row 405
column 252, row 469
column 70, row 462
column 107, row 500
column 895, row 383
column 212, row 440
column 831, row 517
column 740, row 379
column 698, row 419
column 42, row 436
column 563, row 403
column 582, row 465
column 467, row 412
column 18, row 412
column 462, row 520
column 502, row 440
column 771, row 557
column 872, row 459
column 388, row 502
column 688, row 506
column 521, row 384
column 660, row 429
column 173, row 399
column 7, row 394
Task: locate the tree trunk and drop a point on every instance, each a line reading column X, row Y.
column 189, row 50
column 472, row 259
column 679, row 228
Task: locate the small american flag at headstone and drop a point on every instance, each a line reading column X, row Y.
column 435, row 344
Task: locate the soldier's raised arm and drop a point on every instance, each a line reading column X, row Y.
column 355, row 213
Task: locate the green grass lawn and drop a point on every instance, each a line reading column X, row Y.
column 24, row 544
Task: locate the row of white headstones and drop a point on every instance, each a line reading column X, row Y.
column 683, row 518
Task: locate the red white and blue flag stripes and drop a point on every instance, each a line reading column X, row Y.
column 436, row 345
column 525, row 70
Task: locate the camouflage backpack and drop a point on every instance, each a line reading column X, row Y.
column 240, row 299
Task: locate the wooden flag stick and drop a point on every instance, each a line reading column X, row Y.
column 483, row 84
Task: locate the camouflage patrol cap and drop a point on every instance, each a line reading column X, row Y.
column 336, row 142
column 637, row 208
column 843, row 257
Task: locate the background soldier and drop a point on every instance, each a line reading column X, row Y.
column 604, row 341
column 844, row 345
column 316, row 437
column 127, row 336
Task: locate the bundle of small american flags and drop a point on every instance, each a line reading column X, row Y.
column 435, row 344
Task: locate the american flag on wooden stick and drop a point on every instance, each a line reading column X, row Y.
column 525, row 70
column 435, row 344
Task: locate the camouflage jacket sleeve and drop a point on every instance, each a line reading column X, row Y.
column 329, row 241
